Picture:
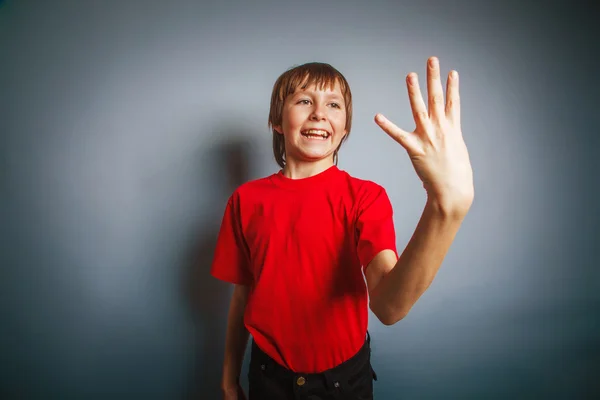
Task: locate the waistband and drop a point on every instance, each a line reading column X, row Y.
column 346, row 369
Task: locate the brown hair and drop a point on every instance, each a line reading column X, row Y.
column 320, row 74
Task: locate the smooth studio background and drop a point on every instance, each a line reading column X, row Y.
column 125, row 125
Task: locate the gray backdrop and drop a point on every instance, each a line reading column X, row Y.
column 125, row 125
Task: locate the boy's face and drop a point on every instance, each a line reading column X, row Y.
column 313, row 123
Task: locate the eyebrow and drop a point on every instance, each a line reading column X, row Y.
column 338, row 98
column 335, row 96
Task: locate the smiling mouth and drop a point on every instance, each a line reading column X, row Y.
column 316, row 134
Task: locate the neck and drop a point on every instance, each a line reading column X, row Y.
column 302, row 169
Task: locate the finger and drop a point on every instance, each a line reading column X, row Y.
column 434, row 90
column 404, row 138
column 453, row 99
column 417, row 104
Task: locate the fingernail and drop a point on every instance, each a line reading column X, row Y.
column 433, row 62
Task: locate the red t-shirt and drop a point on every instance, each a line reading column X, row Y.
column 301, row 245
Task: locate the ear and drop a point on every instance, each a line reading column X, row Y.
column 278, row 129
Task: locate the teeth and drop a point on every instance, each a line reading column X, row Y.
column 317, row 132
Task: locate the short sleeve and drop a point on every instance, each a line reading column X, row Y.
column 374, row 224
column 231, row 258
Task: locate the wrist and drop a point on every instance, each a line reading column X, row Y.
column 230, row 390
column 228, row 385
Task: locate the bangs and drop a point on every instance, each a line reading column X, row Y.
column 322, row 76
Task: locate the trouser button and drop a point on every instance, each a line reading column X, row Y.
column 301, row 381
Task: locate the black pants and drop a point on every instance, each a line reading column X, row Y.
column 351, row 380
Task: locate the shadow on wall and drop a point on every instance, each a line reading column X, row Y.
column 208, row 298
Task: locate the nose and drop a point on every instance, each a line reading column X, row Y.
column 318, row 113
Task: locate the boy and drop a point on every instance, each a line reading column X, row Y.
column 311, row 248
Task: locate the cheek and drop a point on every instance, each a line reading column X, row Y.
column 338, row 121
column 293, row 120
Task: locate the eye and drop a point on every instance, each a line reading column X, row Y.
column 303, row 101
column 335, row 105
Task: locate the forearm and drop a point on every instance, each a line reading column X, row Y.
column 236, row 338
column 418, row 264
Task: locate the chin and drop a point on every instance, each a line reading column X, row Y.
column 313, row 152
column 308, row 156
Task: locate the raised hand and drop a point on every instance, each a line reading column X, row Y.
column 436, row 147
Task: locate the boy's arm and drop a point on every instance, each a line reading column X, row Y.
column 441, row 160
column 396, row 285
column 236, row 339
